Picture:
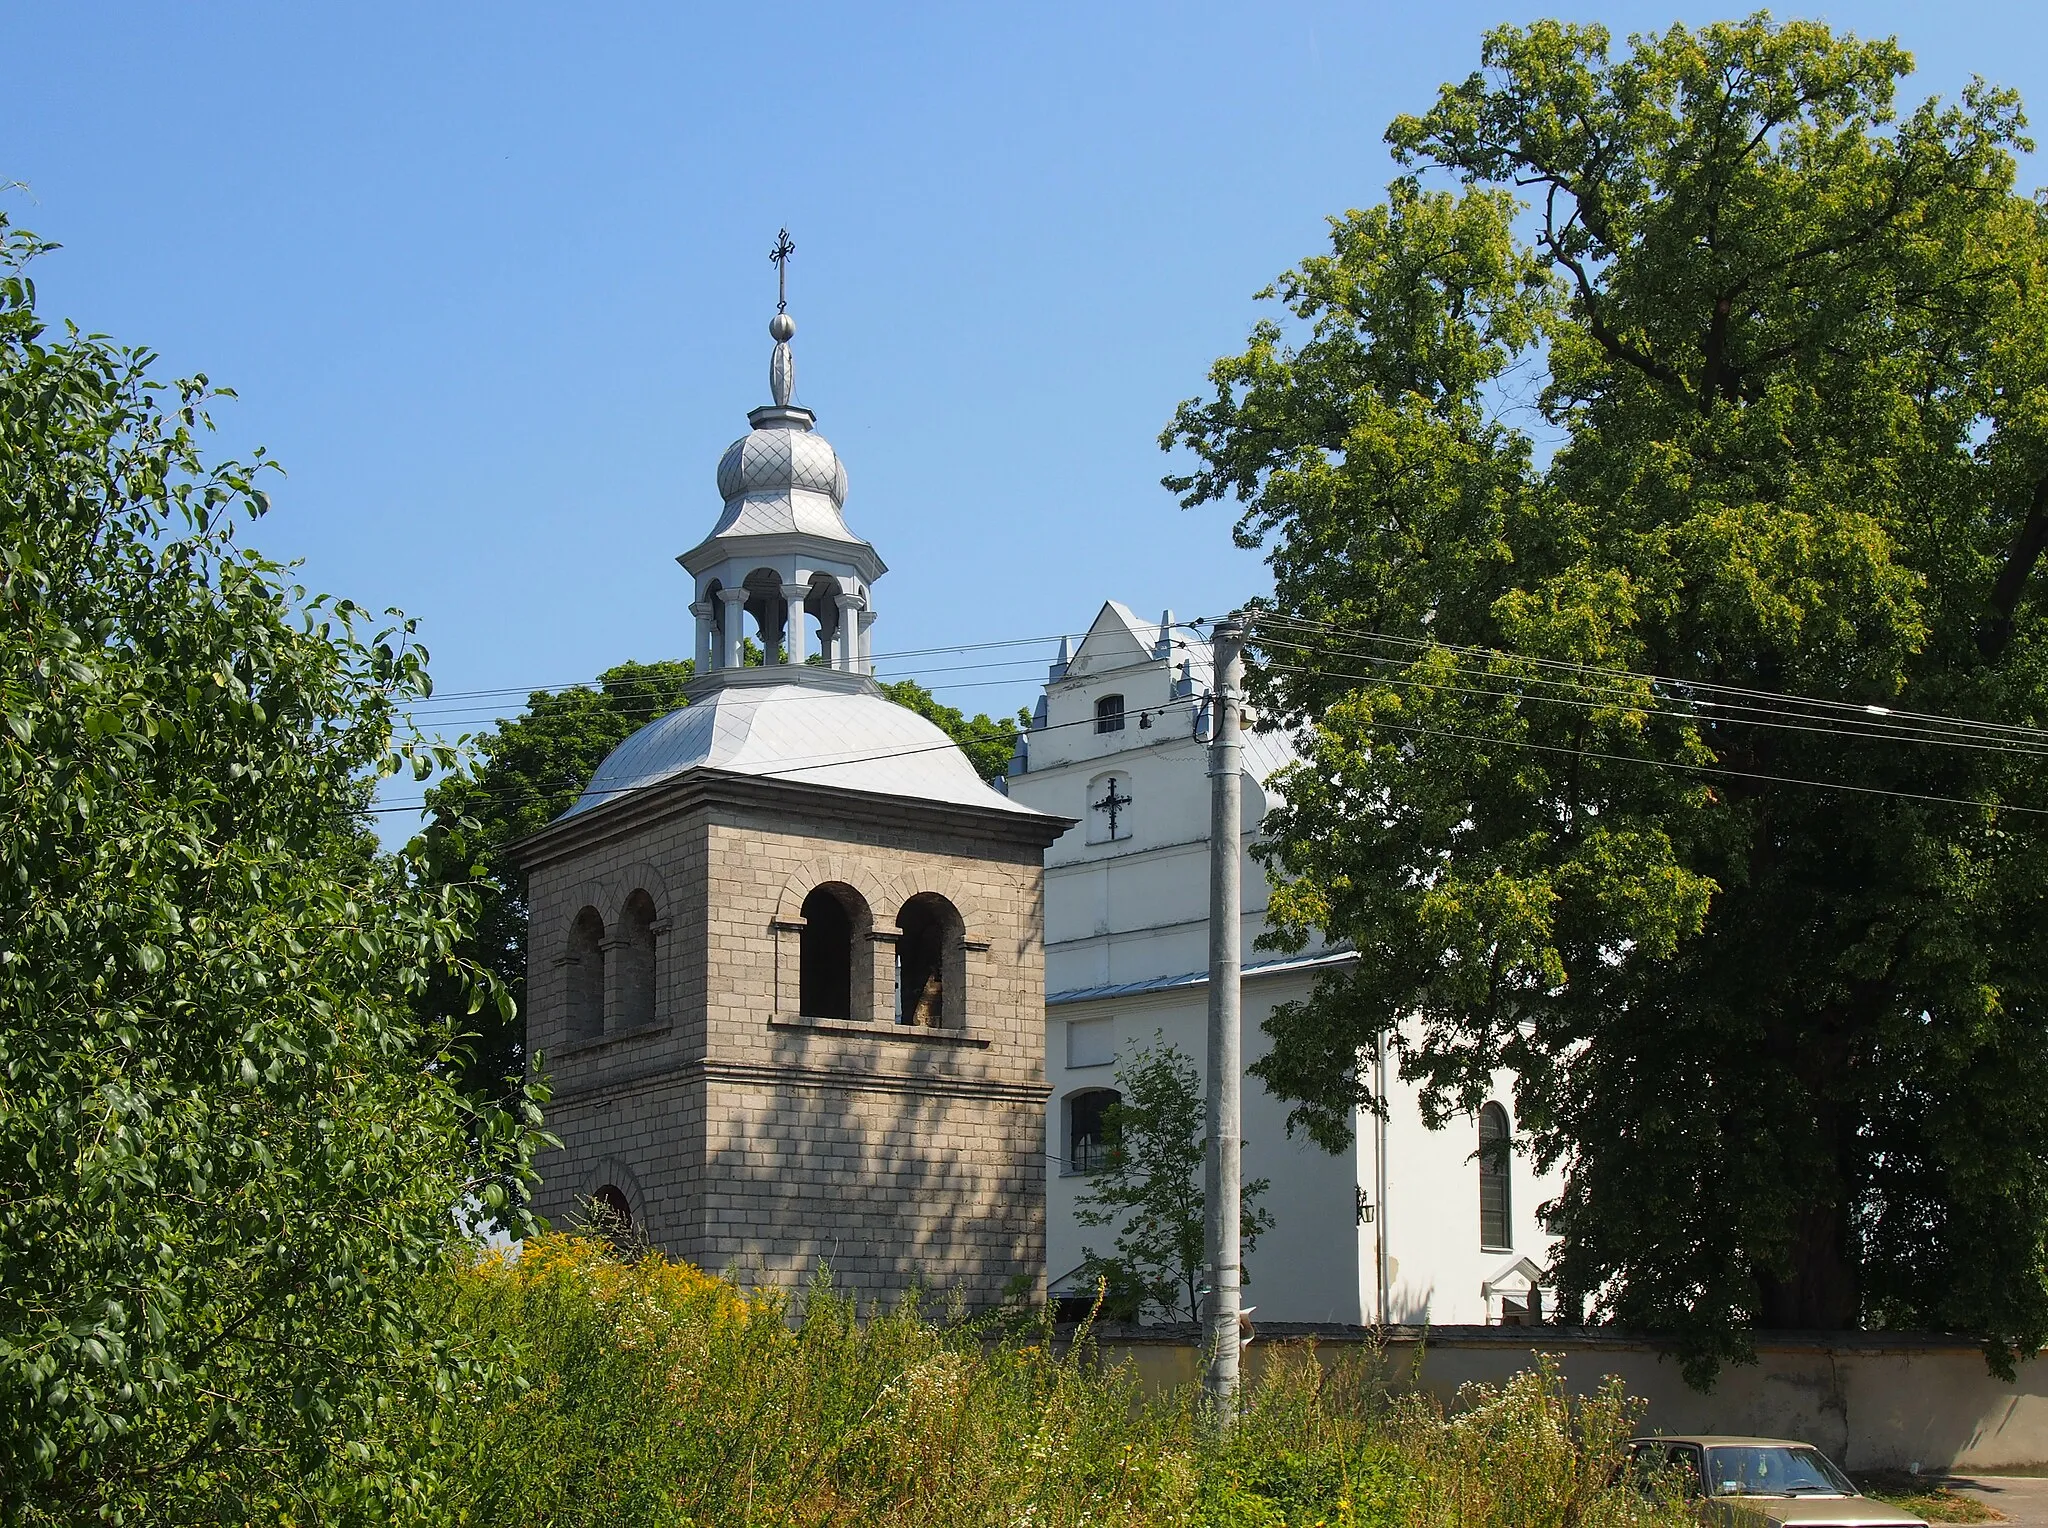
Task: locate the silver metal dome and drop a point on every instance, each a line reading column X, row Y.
column 850, row 738
column 778, row 460
column 781, row 478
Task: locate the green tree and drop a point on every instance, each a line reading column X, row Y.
column 530, row 770
column 987, row 742
column 1699, row 366
column 222, row 1163
column 1150, row 1187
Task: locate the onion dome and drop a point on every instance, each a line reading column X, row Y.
column 782, row 476
column 780, row 569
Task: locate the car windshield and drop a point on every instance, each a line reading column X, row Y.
column 1768, row 1470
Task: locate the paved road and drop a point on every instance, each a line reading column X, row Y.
column 2022, row 1498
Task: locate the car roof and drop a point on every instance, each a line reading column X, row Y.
column 1721, row 1440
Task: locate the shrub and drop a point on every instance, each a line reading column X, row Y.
column 650, row 1393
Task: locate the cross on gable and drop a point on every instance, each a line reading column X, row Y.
column 1112, row 802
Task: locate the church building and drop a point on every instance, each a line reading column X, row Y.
column 786, row 962
column 1410, row 1224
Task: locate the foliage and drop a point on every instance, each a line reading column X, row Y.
column 532, row 768
column 987, row 742
column 1151, row 1188
column 651, row 1394
column 222, row 1163
column 529, row 771
column 1527, row 1452
column 1706, row 367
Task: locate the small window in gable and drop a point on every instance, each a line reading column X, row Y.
column 1109, row 714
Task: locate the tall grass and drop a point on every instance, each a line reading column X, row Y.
column 651, row 1393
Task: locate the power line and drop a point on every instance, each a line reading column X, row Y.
column 1748, row 706
column 830, row 760
column 440, row 706
column 662, row 685
column 599, row 685
column 1848, row 708
column 906, row 652
column 1832, row 711
column 1711, row 769
column 478, row 718
column 1783, row 719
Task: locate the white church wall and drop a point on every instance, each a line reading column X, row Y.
column 1438, row 1265
column 1134, row 909
column 1309, row 1267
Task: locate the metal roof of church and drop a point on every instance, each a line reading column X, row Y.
column 852, row 738
column 1279, row 966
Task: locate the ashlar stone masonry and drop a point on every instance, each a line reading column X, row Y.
column 741, row 1132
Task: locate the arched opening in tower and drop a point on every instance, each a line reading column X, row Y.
column 635, row 954
column 930, row 962
column 826, row 954
column 611, row 1215
column 584, row 963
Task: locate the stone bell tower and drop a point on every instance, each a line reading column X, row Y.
column 787, row 963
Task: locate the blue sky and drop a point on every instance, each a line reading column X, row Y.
column 492, row 280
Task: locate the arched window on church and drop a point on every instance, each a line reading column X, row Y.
column 635, row 955
column 1496, row 1225
column 1088, row 1138
column 583, row 963
column 834, row 917
column 931, row 963
column 1109, row 714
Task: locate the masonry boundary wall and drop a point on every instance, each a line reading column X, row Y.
column 1870, row 1400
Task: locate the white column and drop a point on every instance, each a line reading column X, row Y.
column 701, row 609
column 795, row 639
column 735, row 616
column 845, row 642
column 866, row 663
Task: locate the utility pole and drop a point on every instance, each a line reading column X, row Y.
column 1221, row 1204
column 1382, row 1264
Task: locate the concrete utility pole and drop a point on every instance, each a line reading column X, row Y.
column 1224, row 1176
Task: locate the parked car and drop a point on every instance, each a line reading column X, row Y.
column 1755, row 1482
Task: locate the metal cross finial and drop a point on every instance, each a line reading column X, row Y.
column 780, row 255
column 1113, row 802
